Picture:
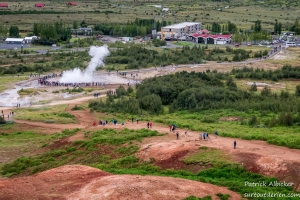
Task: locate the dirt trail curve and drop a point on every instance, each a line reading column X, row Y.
column 78, row 182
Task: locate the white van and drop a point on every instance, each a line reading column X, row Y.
column 290, row 44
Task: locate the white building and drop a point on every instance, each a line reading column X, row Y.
column 29, row 39
column 15, row 40
column 181, row 30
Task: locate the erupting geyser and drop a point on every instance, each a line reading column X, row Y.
column 77, row 76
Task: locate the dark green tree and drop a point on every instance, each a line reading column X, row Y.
column 257, row 26
column 75, row 24
column 36, row 29
column 129, row 90
column 297, row 92
column 276, row 27
column 230, row 83
column 231, row 27
column 151, row 103
column 266, row 91
column 83, row 24
column 253, row 121
column 14, row 31
column 279, row 28
column 121, row 91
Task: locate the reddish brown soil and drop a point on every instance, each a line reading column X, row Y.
column 52, row 184
column 135, row 187
column 82, row 182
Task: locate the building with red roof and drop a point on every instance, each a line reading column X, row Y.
column 71, row 3
column 211, row 38
column 204, row 31
column 39, row 5
column 4, row 5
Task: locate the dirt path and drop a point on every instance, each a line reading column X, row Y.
column 256, row 156
column 50, row 125
column 85, row 120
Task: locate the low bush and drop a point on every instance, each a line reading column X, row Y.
column 76, row 107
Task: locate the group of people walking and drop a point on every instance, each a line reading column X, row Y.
column 149, row 124
column 202, row 136
column 97, row 94
column 11, row 113
column 45, row 81
column 104, row 122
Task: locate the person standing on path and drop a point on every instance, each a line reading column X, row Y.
column 137, row 120
column 150, row 123
column 234, row 144
column 177, row 135
column 171, row 128
column 186, row 133
column 132, row 119
column 216, row 134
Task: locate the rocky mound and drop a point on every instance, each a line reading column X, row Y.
column 83, row 182
column 51, row 184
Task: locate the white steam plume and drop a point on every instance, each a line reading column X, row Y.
column 77, row 76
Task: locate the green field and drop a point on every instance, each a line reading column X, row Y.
column 115, row 11
column 49, row 114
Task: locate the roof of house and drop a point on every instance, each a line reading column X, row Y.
column 14, row 40
column 85, row 29
column 182, row 25
column 30, row 38
column 39, row 4
column 73, row 3
column 214, row 36
column 3, row 4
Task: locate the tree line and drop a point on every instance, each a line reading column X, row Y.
column 198, row 91
column 286, row 72
column 135, row 56
column 51, row 33
column 131, row 28
column 63, row 61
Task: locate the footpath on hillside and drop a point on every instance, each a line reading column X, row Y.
column 256, row 156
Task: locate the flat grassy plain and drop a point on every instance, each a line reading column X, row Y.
column 48, row 114
column 115, row 11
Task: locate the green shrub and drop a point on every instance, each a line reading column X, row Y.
column 67, row 115
column 76, row 107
